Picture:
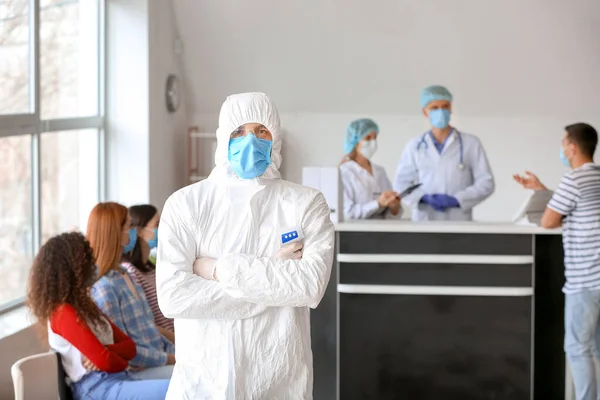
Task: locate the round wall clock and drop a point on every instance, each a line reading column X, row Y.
column 172, row 93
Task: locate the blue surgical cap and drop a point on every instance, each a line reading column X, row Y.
column 434, row 92
column 356, row 131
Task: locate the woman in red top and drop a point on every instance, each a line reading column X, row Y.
column 94, row 352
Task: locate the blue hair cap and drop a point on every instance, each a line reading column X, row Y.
column 356, row 131
column 435, row 92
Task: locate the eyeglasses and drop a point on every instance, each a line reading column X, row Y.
column 260, row 132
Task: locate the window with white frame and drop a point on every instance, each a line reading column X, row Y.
column 51, row 127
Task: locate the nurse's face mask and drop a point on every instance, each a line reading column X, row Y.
column 368, row 145
column 250, row 150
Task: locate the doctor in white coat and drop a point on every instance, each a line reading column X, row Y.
column 239, row 294
column 450, row 165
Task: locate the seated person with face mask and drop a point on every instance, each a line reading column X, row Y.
column 368, row 191
column 136, row 260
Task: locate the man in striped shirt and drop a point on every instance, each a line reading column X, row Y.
column 576, row 206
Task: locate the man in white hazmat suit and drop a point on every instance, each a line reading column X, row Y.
column 242, row 327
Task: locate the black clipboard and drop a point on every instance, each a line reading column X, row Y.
column 409, row 190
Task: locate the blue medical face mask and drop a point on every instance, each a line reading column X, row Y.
column 132, row 239
column 439, row 118
column 154, row 242
column 249, row 156
column 563, row 158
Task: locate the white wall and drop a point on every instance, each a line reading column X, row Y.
column 168, row 132
column 146, row 144
column 513, row 145
column 520, row 71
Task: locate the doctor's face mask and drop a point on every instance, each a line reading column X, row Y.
column 438, row 112
column 250, row 150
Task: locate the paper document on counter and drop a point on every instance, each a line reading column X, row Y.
column 327, row 181
column 533, row 209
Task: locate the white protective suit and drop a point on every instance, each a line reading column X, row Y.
column 246, row 336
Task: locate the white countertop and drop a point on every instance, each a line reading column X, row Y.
column 442, row 227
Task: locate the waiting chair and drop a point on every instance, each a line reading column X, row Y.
column 40, row 377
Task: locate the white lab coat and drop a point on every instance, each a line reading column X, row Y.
column 361, row 191
column 246, row 336
column 439, row 174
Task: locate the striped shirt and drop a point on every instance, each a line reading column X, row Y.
column 578, row 199
column 148, row 282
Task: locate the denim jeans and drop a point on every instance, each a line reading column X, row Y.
column 121, row 386
column 582, row 342
column 163, row 372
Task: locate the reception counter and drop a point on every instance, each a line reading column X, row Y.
column 441, row 311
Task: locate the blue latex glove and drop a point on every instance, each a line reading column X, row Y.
column 446, row 201
column 440, row 202
column 431, row 200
